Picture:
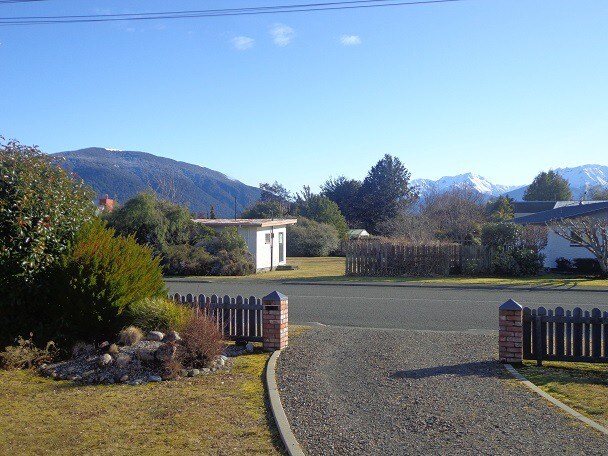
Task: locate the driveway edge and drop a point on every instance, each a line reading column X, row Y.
column 289, row 440
column 554, row 401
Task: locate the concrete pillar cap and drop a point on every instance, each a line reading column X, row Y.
column 274, row 296
column 510, row 305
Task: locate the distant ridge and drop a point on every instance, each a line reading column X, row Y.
column 123, row 174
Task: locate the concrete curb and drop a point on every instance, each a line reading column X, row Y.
column 289, row 440
column 450, row 287
column 554, row 401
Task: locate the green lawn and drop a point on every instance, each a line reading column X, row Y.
column 333, row 269
column 221, row 414
column 582, row 386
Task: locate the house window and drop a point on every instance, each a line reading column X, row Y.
column 577, row 238
column 267, row 238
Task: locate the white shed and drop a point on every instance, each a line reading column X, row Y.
column 266, row 238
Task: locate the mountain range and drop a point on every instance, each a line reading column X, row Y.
column 123, row 174
column 580, row 178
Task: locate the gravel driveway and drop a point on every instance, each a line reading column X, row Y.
column 366, row 391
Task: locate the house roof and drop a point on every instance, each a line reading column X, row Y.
column 563, row 212
column 530, row 207
column 358, row 232
column 245, row 222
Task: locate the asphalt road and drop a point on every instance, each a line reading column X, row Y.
column 413, row 308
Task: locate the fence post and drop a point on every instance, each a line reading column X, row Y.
column 275, row 321
column 510, row 335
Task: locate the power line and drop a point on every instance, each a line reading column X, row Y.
column 297, row 8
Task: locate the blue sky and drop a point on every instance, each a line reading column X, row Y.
column 503, row 88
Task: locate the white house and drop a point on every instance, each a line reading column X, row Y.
column 557, row 246
column 266, row 238
column 358, row 234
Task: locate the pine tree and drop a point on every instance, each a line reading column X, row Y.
column 212, row 212
column 548, row 187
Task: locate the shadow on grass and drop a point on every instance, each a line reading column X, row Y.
column 481, row 369
column 564, row 375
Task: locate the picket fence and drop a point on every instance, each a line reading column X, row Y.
column 577, row 335
column 365, row 258
column 239, row 318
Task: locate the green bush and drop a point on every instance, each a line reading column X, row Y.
column 158, row 314
column 587, row 266
column 99, row 279
column 503, row 264
column 530, row 263
column 311, row 239
column 42, row 208
column 501, row 235
column 181, row 260
column 233, row 263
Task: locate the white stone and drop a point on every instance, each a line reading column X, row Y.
column 156, row 336
column 249, row 348
column 105, row 359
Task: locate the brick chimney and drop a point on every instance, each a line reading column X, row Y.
column 106, row 204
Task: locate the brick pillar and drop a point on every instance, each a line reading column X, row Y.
column 510, row 335
column 275, row 322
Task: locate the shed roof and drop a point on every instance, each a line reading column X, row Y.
column 563, row 212
column 245, row 222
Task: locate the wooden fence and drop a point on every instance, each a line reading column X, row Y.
column 239, row 318
column 384, row 259
column 565, row 335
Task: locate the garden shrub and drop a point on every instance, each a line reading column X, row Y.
column 130, row 335
column 201, row 342
column 228, row 239
column 504, row 264
column 182, row 260
column 26, row 355
column 563, row 264
column 158, row 314
column 233, row 263
column 99, row 279
column 42, row 208
column 501, row 235
column 311, row 239
column 530, row 262
column 587, row 266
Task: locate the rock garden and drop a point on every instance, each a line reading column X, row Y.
column 135, row 359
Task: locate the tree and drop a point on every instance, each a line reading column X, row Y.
column 598, row 193
column 590, row 233
column 42, row 208
column 157, row 223
column 343, row 192
column 212, row 212
column 265, row 210
column 276, row 193
column 385, row 191
column 548, row 186
column 501, row 209
column 457, row 212
column 414, row 229
column 321, row 209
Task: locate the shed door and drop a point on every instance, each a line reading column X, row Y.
column 281, row 247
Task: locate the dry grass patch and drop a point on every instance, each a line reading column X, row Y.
column 221, row 414
column 582, row 386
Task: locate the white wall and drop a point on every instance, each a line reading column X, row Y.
column 256, row 244
column 263, row 252
column 558, row 247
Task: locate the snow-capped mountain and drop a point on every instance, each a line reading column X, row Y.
column 479, row 183
column 581, row 178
